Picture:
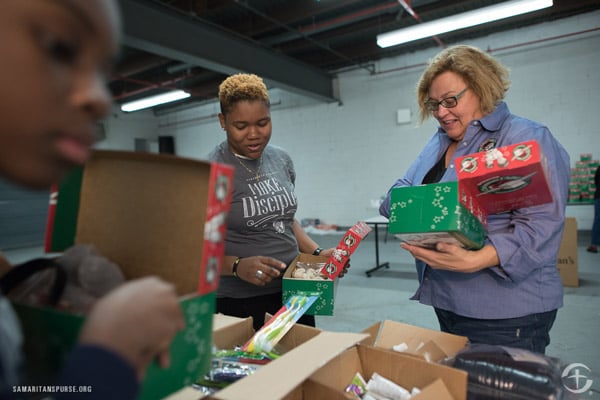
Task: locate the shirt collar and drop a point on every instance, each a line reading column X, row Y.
column 490, row 123
column 493, row 121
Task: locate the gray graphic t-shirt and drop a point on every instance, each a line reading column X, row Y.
column 262, row 213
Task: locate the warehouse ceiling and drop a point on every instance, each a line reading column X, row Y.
column 295, row 45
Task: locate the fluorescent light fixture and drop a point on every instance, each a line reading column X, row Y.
column 154, row 100
column 460, row 21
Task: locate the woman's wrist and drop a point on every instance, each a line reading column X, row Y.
column 317, row 251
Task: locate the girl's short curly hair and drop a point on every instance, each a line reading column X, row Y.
column 483, row 74
column 240, row 87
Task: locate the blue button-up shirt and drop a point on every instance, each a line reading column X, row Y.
column 527, row 240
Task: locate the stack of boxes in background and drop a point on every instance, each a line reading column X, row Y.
column 581, row 185
column 581, row 191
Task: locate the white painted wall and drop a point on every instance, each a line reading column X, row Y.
column 347, row 154
column 123, row 128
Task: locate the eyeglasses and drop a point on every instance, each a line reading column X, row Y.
column 448, row 102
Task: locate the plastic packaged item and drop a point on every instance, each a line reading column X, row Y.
column 380, row 386
column 224, row 372
column 309, row 270
column 500, row 372
column 358, row 386
column 271, row 333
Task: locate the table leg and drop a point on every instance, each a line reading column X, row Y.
column 377, row 265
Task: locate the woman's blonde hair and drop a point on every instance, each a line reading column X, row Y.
column 240, row 87
column 483, row 74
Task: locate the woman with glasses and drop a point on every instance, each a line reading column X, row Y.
column 507, row 292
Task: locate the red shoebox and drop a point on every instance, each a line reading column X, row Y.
column 341, row 254
column 505, row 178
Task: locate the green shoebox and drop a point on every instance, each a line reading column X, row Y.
column 324, row 288
column 50, row 334
column 151, row 214
column 426, row 214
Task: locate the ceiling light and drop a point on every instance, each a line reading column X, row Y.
column 154, row 100
column 460, row 21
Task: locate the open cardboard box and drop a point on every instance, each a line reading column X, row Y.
column 312, row 390
column 282, row 379
column 229, row 332
column 402, row 369
column 323, row 287
column 152, row 215
column 422, row 343
column 238, row 331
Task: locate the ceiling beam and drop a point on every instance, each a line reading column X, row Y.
column 161, row 31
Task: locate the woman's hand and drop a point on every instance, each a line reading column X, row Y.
column 259, row 270
column 454, row 258
column 137, row 320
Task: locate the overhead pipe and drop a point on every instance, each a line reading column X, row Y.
column 303, row 35
column 140, row 64
column 407, row 7
column 331, row 24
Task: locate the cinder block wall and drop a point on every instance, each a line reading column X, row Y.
column 348, row 154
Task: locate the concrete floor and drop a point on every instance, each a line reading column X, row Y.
column 361, row 301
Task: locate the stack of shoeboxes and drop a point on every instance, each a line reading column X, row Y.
column 581, row 192
column 581, row 184
column 152, row 215
column 489, row 182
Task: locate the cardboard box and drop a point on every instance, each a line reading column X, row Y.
column 567, row 254
column 312, row 390
column 506, row 178
column 283, row 378
column 230, row 332
column 422, row 343
column 239, row 330
column 152, row 215
column 402, row 369
column 426, row 214
column 323, row 287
